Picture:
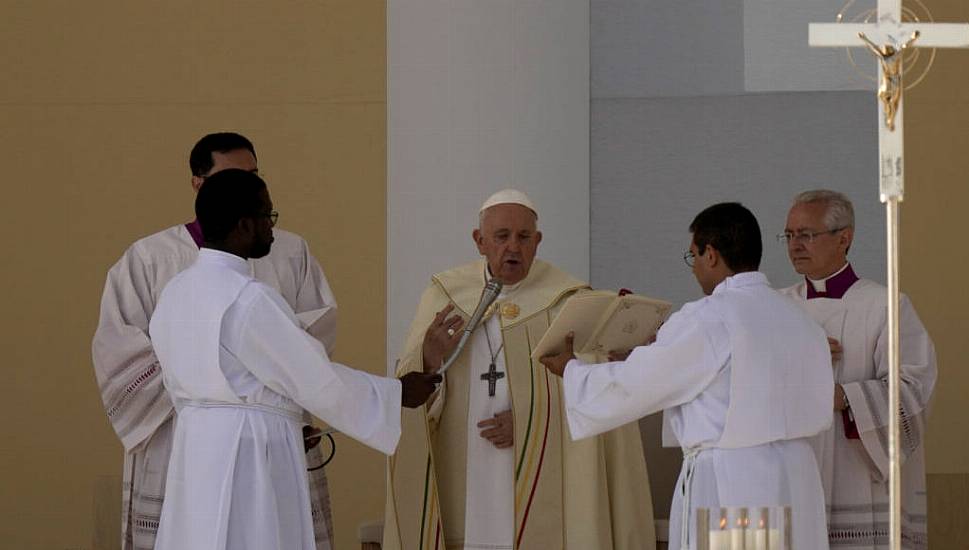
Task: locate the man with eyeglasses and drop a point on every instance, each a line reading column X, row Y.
column 127, row 370
column 853, row 454
column 742, row 378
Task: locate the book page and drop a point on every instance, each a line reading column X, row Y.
column 602, row 318
column 631, row 323
column 581, row 314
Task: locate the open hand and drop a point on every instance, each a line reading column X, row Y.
column 441, row 338
column 499, row 430
column 556, row 362
column 417, row 387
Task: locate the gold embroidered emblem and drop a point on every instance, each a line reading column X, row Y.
column 510, row 310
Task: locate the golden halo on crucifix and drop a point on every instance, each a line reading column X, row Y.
column 910, row 57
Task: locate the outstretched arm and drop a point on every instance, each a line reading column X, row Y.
column 915, row 36
column 871, row 45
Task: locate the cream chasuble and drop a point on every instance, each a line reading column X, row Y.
column 130, row 381
column 564, row 495
column 854, row 470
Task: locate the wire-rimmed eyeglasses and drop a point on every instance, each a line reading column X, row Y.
column 804, row 237
column 689, row 257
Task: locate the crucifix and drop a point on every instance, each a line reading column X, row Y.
column 888, row 38
column 492, row 376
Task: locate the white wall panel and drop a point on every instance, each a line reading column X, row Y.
column 482, row 95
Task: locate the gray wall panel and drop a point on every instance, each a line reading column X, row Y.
column 779, row 58
column 657, row 162
column 657, row 48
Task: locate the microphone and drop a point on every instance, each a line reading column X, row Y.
column 488, row 296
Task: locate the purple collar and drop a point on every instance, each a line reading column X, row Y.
column 195, row 230
column 835, row 286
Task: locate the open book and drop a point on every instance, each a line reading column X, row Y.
column 603, row 321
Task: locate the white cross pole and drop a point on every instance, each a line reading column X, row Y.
column 889, row 30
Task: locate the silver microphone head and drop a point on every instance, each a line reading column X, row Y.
column 493, row 287
column 488, row 295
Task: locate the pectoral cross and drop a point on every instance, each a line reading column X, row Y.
column 492, row 376
column 888, row 38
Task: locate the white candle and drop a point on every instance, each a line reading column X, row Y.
column 719, row 540
column 774, row 535
column 737, row 539
column 759, row 541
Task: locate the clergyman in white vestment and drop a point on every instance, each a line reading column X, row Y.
column 743, row 377
column 853, row 454
column 240, row 370
column 126, row 367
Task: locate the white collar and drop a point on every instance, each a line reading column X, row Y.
column 742, row 279
column 821, row 285
column 505, row 289
column 224, row 259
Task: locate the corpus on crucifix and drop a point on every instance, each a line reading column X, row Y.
column 890, row 86
column 888, row 37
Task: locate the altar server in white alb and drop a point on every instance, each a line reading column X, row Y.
column 743, row 377
column 240, row 370
column 853, row 454
column 127, row 370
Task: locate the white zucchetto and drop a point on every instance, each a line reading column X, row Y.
column 509, row 196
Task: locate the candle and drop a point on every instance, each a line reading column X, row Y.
column 737, row 539
column 774, row 537
column 719, row 540
column 759, row 539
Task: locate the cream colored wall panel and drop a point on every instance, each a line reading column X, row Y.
column 100, row 105
column 189, row 52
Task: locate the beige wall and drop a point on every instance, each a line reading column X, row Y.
column 935, row 264
column 100, row 104
column 934, row 260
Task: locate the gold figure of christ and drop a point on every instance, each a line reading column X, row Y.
column 890, row 86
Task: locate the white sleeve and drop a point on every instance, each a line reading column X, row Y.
column 690, row 350
column 869, row 398
column 315, row 305
column 271, row 345
column 127, row 371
